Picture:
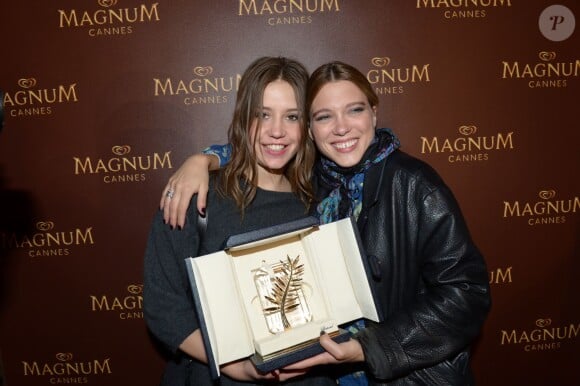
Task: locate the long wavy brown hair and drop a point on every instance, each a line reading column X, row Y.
column 239, row 179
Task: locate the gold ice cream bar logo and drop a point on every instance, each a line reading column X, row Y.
column 545, row 211
column 463, row 9
column 122, row 167
column 66, row 370
column 387, row 79
column 109, row 19
column 203, row 87
column 47, row 241
column 467, row 146
column 31, row 100
column 544, row 336
column 548, row 72
column 285, row 12
column 127, row 306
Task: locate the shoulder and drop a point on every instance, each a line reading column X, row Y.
column 405, row 167
column 410, row 179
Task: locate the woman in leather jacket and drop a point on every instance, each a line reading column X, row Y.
column 430, row 278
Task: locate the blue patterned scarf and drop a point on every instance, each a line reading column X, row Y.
column 345, row 198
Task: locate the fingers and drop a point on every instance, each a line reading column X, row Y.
column 202, row 198
column 167, row 207
column 162, row 200
column 304, row 365
column 175, row 202
column 284, row 375
column 349, row 351
column 331, row 347
column 169, row 200
column 191, row 178
column 164, row 196
column 244, row 370
column 255, row 375
column 181, row 210
column 173, row 208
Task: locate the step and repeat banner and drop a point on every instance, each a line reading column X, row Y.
column 103, row 100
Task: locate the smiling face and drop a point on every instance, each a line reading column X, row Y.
column 342, row 122
column 276, row 130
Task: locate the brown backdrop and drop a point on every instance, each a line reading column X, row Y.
column 104, row 99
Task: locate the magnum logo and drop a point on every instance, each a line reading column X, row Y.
column 109, row 20
column 391, row 80
column 202, row 88
column 467, row 146
column 129, row 306
column 65, row 370
column 48, row 241
column 546, row 210
column 500, row 276
column 31, row 101
column 462, row 9
column 544, row 336
column 547, row 73
column 283, row 12
column 122, row 167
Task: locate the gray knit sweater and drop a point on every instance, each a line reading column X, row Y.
column 168, row 305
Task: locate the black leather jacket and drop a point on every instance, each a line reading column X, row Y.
column 430, row 280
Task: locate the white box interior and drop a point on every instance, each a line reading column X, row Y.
column 335, row 285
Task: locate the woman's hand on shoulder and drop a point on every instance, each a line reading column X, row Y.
column 192, row 177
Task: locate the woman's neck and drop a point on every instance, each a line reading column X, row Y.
column 274, row 182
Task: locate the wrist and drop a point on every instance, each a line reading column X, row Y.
column 359, row 354
column 201, row 159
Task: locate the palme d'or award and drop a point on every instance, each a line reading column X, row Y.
column 281, row 294
column 270, row 293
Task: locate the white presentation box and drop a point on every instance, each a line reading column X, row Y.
column 270, row 293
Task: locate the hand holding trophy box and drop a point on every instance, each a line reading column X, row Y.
column 271, row 293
